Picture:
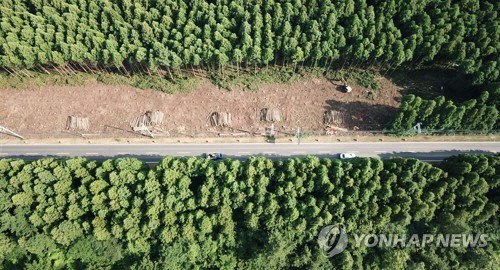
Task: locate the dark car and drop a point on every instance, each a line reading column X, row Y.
column 213, row 156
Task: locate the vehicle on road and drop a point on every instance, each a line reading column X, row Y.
column 213, row 156
column 347, row 155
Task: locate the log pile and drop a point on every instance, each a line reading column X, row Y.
column 148, row 119
column 270, row 115
column 220, row 119
column 10, row 132
column 334, row 118
column 77, row 123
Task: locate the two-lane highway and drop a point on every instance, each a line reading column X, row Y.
column 153, row 152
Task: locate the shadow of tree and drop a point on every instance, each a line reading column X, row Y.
column 427, row 82
column 434, row 156
column 153, row 160
column 363, row 116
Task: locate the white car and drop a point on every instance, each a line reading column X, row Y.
column 347, row 155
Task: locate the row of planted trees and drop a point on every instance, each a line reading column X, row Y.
column 479, row 115
column 253, row 214
column 148, row 36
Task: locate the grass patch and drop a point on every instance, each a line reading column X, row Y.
column 251, row 79
column 40, row 79
column 365, row 78
column 246, row 79
column 180, row 84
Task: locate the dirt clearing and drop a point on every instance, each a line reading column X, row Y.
column 43, row 112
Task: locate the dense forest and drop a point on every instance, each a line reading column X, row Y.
column 163, row 36
column 479, row 115
column 255, row 214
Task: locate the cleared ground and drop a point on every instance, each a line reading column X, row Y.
column 42, row 112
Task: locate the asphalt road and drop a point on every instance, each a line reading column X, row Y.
column 429, row 151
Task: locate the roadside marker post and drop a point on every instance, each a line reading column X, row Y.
column 298, row 135
column 417, row 127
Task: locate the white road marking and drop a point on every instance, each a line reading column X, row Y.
column 184, row 153
column 244, row 153
column 324, row 152
column 31, row 154
column 91, row 153
column 380, row 151
column 269, row 153
column 299, row 152
column 62, row 153
column 3, row 154
column 152, row 153
column 123, row 153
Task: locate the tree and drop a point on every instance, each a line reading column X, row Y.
column 88, row 214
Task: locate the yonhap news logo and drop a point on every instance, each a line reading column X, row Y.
column 333, row 239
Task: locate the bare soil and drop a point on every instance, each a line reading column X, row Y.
column 42, row 112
